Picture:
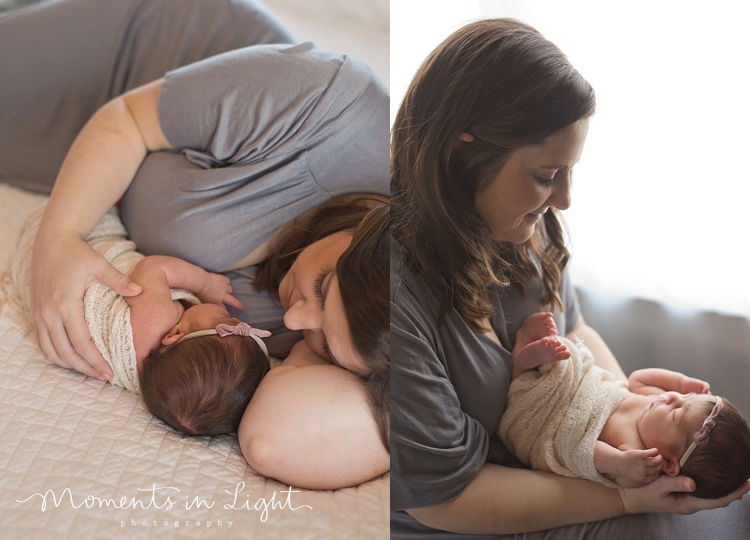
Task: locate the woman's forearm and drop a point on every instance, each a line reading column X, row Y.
column 502, row 500
column 98, row 169
column 103, row 160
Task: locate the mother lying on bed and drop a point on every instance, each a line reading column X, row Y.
column 227, row 163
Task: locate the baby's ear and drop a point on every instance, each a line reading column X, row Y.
column 174, row 335
column 670, row 466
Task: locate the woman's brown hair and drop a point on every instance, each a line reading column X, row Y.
column 339, row 214
column 203, row 385
column 363, row 274
column 503, row 83
column 722, row 465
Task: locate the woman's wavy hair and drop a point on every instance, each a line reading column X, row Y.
column 505, row 84
column 722, row 465
column 363, row 274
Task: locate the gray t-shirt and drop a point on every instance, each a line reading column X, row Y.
column 266, row 133
column 449, row 385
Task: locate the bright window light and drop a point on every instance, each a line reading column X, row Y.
column 661, row 191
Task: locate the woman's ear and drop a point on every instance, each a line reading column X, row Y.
column 670, row 466
column 466, row 137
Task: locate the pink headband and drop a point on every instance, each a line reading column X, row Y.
column 223, row 330
column 700, row 438
column 242, row 329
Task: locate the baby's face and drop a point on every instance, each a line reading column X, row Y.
column 670, row 421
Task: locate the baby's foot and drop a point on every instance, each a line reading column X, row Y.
column 535, row 327
column 547, row 350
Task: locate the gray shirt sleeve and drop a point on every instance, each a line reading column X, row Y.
column 226, row 113
column 449, row 385
column 265, row 133
column 436, row 448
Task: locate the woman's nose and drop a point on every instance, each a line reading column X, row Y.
column 560, row 197
column 303, row 315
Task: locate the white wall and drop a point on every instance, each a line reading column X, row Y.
column 359, row 28
column 660, row 194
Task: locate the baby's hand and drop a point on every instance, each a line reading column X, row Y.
column 689, row 384
column 638, row 467
column 217, row 290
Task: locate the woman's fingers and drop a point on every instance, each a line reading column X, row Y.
column 47, row 348
column 118, row 282
column 694, row 504
column 671, row 494
column 78, row 333
column 63, row 267
column 64, row 351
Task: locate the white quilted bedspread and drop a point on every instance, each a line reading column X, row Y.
column 87, row 460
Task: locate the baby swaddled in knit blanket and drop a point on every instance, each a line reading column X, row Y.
column 163, row 343
column 569, row 416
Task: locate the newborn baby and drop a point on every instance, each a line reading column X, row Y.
column 566, row 415
column 196, row 366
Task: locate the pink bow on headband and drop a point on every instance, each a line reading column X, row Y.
column 701, row 436
column 242, row 329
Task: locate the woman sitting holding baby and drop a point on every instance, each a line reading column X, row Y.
column 265, row 163
column 483, row 148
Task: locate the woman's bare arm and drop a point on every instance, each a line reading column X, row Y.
column 309, row 425
column 502, row 500
column 97, row 171
column 603, row 357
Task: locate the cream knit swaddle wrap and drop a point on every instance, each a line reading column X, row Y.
column 107, row 313
column 555, row 415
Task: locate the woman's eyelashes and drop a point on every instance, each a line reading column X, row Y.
column 544, row 182
column 324, row 346
column 318, row 289
column 318, row 284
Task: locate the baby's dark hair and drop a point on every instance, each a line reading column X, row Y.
column 722, row 465
column 203, row 385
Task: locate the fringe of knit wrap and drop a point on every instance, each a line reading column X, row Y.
column 107, row 313
column 554, row 415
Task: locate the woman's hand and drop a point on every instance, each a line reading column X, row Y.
column 97, row 170
column 62, row 267
column 671, row 495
